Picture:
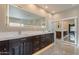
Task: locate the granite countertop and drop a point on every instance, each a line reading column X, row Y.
column 15, row 35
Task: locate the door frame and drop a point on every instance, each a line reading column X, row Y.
column 76, row 24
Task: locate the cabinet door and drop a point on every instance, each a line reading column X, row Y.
column 52, row 37
column 49, row 38
column 20, row 46
column 14, row 47
column 43, row 41
column 58, row 34
column 4, row 47
column 46, row 39
column 26, row 46
column 35, row 43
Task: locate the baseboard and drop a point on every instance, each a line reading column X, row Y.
column 42, row 50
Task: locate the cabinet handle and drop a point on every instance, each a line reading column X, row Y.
column 23, row 39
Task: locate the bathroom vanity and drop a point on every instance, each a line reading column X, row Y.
column 25, row 45
column 20, row 20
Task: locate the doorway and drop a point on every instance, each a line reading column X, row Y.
column 69, row 30
column 67, row 40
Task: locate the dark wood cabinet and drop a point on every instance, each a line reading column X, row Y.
column 35, row 43
column 4, row 47
column 20, row 46
column 46, row 39
column 52, row 37
column 14, row 47
column 58, row 34
column 25, row 45
column 43, row 42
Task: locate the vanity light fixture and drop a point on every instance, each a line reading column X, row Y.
column 14, row 24
column 22, row 25
column 43, row 26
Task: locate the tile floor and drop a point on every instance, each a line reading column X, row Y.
column 59, row 49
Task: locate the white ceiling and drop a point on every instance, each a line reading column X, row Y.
column 54, row 8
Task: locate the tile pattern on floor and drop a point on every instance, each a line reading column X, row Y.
column 58, row 49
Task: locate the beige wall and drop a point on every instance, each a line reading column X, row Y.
column 66, row 24
column 2, row 17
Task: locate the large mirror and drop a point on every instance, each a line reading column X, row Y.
column 69, row 29
column 22, row 18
